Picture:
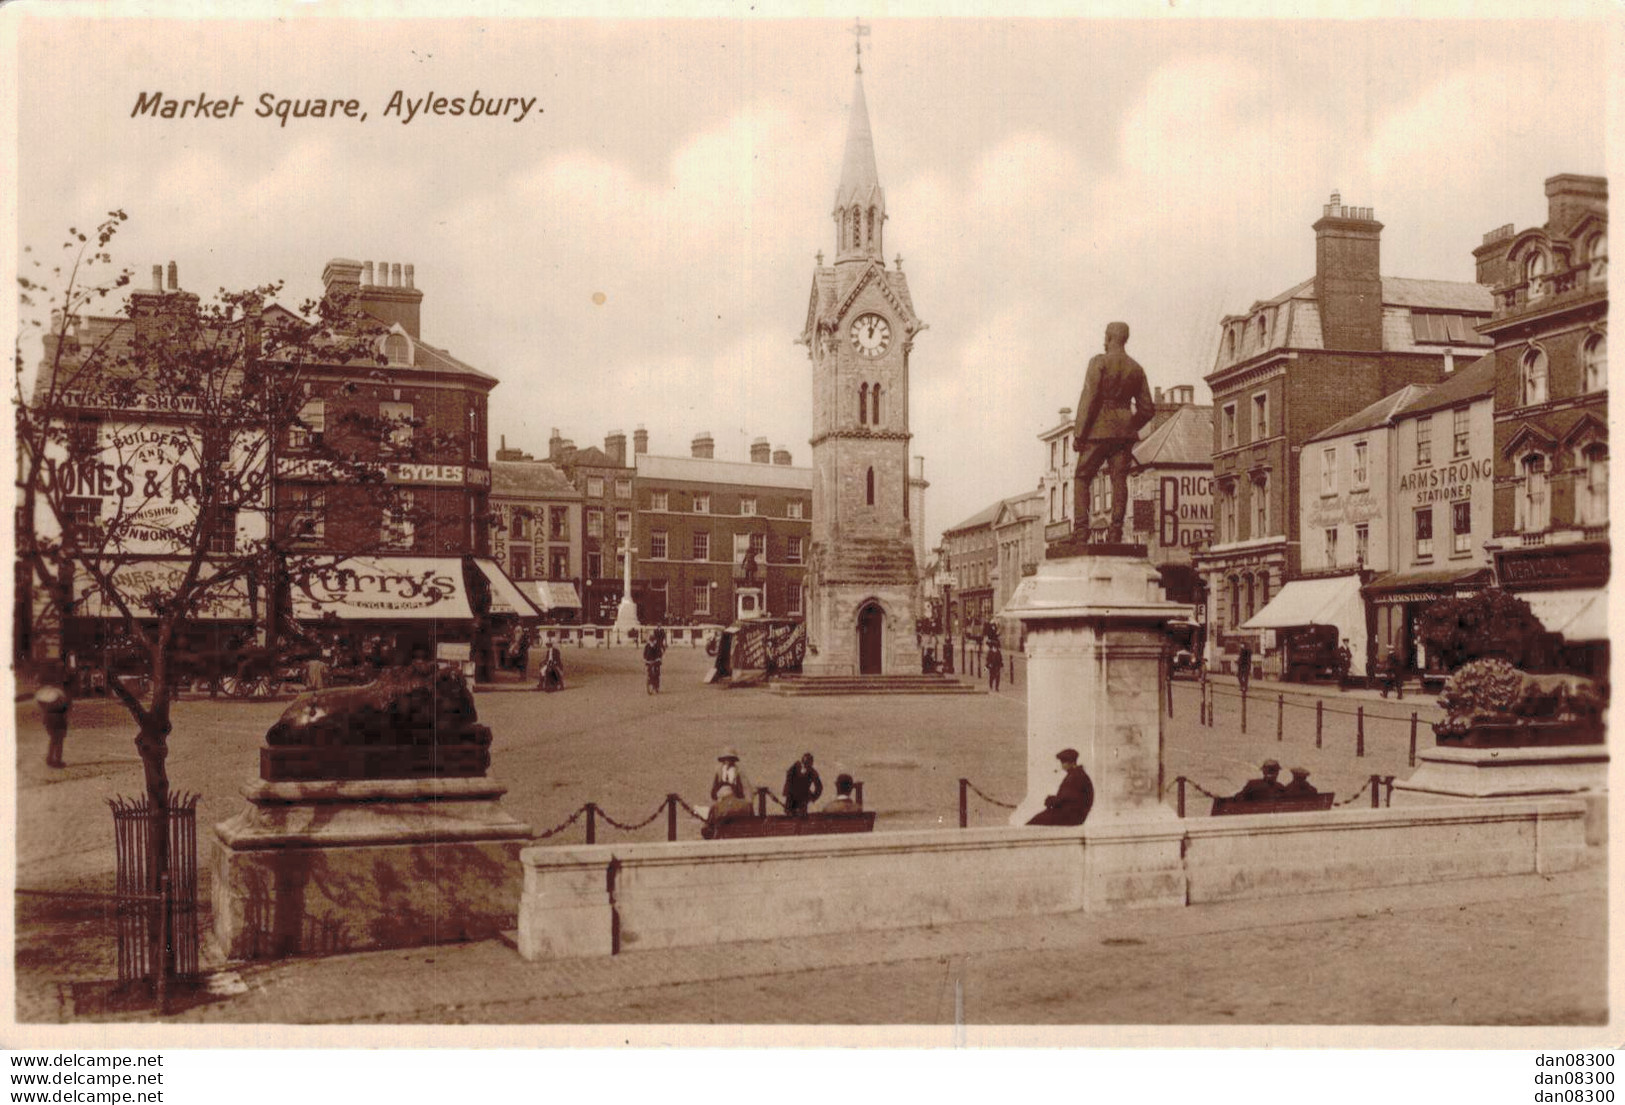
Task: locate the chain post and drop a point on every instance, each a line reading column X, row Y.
column 1359, row 731
column 1280, row 714
column 671, row 817
column 857, row 792
column 1413, row 738
column 1181, row 781
column 761, row 801
column 1244, row 709
column 592, row 823
column 964, row 803
column 1320, row 719
column 1376, row 791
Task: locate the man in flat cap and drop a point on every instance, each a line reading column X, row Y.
column 1070, row 804
column 1116, row 403
column 1300, row 786
column 1265, row 789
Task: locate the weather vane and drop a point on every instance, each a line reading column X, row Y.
column 859, row 29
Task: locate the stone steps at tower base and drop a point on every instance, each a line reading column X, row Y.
column 809, row 685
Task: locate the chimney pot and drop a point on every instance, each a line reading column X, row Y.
column 157, row 278
column 640, row 440
column 395, row 275
column 409, row 276
column 781, row 456
column 383, row 274
column 174, row 277
column 703, row 447
column 761, row 452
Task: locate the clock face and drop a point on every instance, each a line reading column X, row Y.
column 871, row 335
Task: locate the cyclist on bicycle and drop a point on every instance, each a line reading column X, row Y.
column 652, row 653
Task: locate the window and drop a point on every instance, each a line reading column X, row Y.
column 1261, row 505
column 1054, row 460
column 1229, row 424
column 1533, row 516
column 747, row 506
column 519, row 525
column 1424, row 533
column 623, row 488
column 1594, row 356
column 1251, row 596
column 702, row 597
column 657, row 544
column 659, row 500
column 1261, row 412
column 1458, row 432
column 758, row 545
column 1535, row 268
column 398, row 528
column 595, row 565
column 80, row 516
column 1235, row 601
column 863, row 404
column 1362, row 544
column 1263, row 589
column 1228, row 530
column 1534, row 376
column 1424, row 441
column 307, row 513
column 1597, row 255
column 1461, row 527
column 1362, row 469
column 1229, row 345
column 595, row 486
column 595, row 523
column 702, row 504
column 874, row 396
column 702, row 546
column 84, row 437
column 792, row 598
column 623, row 524
column 474, row 450
column 558, row 563
column 1592, row 500
column 397, row 349
column 558, row 523
column 1052, row 493
column 794, row 509
column 1331, row 547
column 1328, row 470
column 309, row 426
column 397, row 419
column 521, row 563
column 871, row 482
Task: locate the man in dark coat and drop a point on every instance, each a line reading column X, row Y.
column 802, row 786
column 1265, row 789
column 1300, row 786
column 1116, row 403
column 1072, row 801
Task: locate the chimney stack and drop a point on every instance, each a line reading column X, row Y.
column 640, row 440
column 703, row 448
column 1569, row 197
column 380, row 292
column 174, row 278
column 157, row 278
column 781, row 455
column 615, row 446
column 567, row 451
column 761, row 452
column 1348, row 277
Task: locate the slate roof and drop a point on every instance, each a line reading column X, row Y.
column 1380, row 413
column 530, row 479
column 1475, row 381
column 1186, row 437
column 739, row 473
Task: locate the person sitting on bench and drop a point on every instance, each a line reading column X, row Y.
column 1071, row 803
column 730, row 793
column 1266, row 789
column 843, row 802
column 1299, row 787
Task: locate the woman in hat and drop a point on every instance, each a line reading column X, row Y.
column 730, row 793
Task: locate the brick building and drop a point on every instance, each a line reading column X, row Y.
column 604, row 477
column 1550, row 331
column 696, row 517
column 971, row 560
column 1293, row 365
column 536, row 516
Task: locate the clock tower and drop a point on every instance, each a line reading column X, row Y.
column 863, row 596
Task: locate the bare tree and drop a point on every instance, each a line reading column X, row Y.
column 150, row 443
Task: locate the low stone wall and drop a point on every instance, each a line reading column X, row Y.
column 582, row 901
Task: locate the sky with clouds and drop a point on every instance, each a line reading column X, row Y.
column 639, row 250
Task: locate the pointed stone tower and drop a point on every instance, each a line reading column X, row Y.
column 859, row 333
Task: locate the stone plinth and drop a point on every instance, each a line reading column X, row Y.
column 317, row 867
column 1096, row 681
column 1455, row 774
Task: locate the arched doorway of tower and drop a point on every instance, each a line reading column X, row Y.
column 871, row 626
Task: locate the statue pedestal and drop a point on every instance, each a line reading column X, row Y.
column 322, row 867
column 1096, row 683
column 626, row 617
column 1453, row 774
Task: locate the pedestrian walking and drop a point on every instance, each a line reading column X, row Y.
column 1244, row 666
column 1393, row 675
column 552, row 677
column 995, row 666
column 802, row 786
column 54, row 703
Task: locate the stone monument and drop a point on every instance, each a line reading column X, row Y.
column 1094, row 616
column 626, row 614
column 373, row 824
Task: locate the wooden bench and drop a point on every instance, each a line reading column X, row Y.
column 1321, row 801
column 814, row 824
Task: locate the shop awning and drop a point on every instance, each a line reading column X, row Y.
column 1334, row 601
column 141, row 580
column 1580, row 615
column 385, row 588
column 506, row 597
column 1421, row 586
column 551, row 595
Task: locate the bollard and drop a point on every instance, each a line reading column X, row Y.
column 1320, row 717
column 964, row 803
column 1243, row 711
column 1181, row 781
column 1413, row 738
column 761, row 801
column 1013, row 657
column 671, row 817
column 1280, row 710
column 592, row 823
column 1170, row 681
column 1387, row 790
column 857, row 792
column 1359, row 731
column 1376, row 791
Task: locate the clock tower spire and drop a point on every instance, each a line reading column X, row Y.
column 862, row 598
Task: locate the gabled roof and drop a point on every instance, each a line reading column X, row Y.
column 530, row 479
column 593, row 457
column 983, row 517
column 1476, row 381
column 1380, row 413
column 1186, row 437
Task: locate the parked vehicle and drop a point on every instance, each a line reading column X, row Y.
column 1309, row 652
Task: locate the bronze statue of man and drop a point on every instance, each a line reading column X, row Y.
column 1115, row 404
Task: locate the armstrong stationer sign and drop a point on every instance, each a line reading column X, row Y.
column 1446, row 483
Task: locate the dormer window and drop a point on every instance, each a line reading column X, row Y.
column 1229, row 345
column 1262, row 329
column 1597, row 256
column 1535, row 268
column 397, row 349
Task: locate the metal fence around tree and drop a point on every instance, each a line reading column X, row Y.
column 157, row 916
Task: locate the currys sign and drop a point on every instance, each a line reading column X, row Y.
column 384, row 588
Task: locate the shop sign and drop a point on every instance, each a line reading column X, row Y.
column 1343, row 509
column 1550, row 566
column 1446, row 483
column 1184, row 510
column 381, row 588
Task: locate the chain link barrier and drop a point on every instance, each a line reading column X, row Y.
column 1356, row 796
column 608, row 820
column 571, row 820
column 989, row 801
column 1219, row 691
column 688, row 809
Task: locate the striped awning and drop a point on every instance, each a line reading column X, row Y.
column 506, row 596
